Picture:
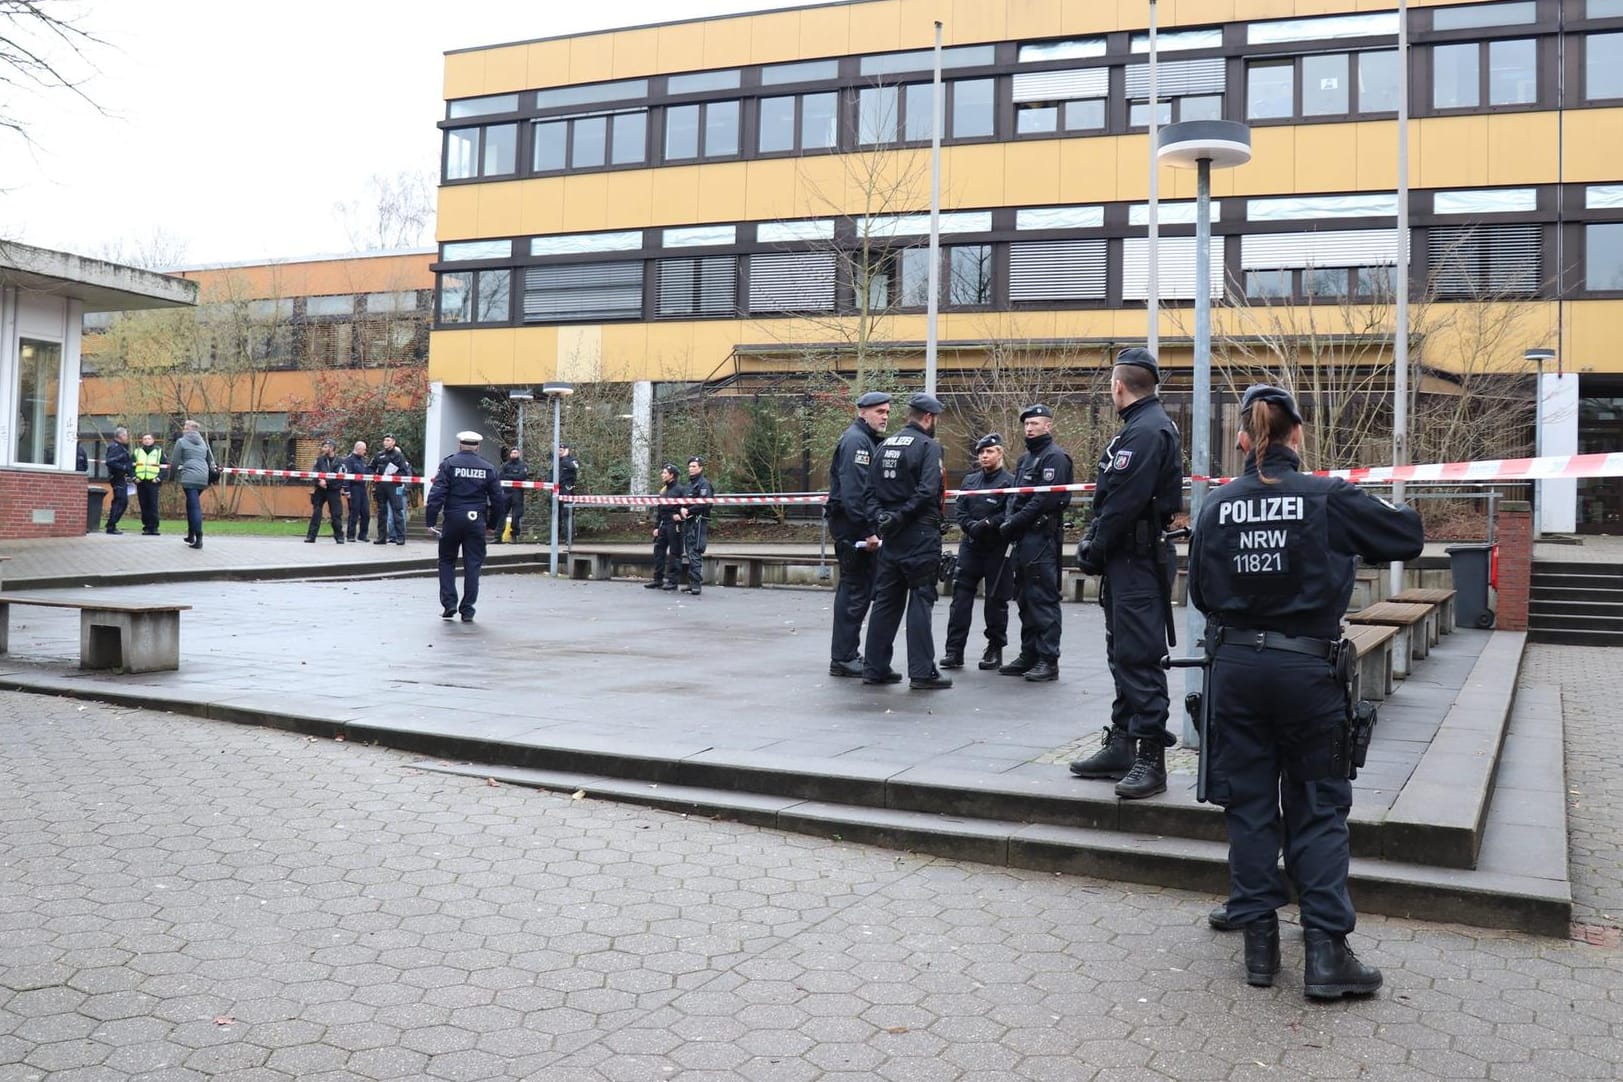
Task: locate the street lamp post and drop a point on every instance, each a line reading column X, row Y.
column 557, row 392
column 1538, row 357
column 1202, row 144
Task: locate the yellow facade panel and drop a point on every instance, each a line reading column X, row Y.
column 448, row 353
column 1088, row 171
column 974, row 20
column 875, row 28
column 1326, row 157
column 1029, row 20
column 825, row 31
column 636, row 53
column 631, row 196
column 1031, row 175
column 772, row 190
column 591, row 58
column 680, row 46
column 722, row 195
column 457, row 213
column 577, row 356
column 626, row 351
column 1521, row 147
column 506, row 70
column 774, row 36
column 1272, row 168
column 1591, row 341
column 727, row 44
column 1377, row 161
column 547, row 63
column 499, row 208
column 586, row 204
column 1178, row 13
column 1592, row 151
column 676, row 196
column 1451, row 151
column 465, row 74
column 541, row 210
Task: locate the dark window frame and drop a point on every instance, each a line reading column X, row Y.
column 1423, row 81
column 798, row 149
column 1002, row 91
column 741, row 146
column 1355, row 109
column 570, row 120
column 479, row 175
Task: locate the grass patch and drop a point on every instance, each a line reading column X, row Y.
column 250, row 527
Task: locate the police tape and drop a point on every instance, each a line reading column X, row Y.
column 391, row 479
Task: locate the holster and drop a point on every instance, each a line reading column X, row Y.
column 852, row 560
column 1357, row 728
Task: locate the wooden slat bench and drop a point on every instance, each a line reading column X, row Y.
column 1443, row 599
column 1374, row 643
column 1415, row 626
column 122, row 635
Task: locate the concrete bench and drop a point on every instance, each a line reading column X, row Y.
column 1443, row 599
column 124, row 636
column 1374, row 644
column 591, row 565
column 1415, row 625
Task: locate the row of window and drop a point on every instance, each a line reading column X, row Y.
column 1461, row 76
column 1461, row 262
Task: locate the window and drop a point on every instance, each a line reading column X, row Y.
column 969, row 275
column 792, row 282
column 330, row 344
column 1605, row 9
column 330, row 306
column 1603, row 67
column 701, row 131
column 1314, row 207
column 1484, row 261
column 918, row 225
column 1324, row 282
column 1269, row 284
column 1061, row 50
column 962, row 56
column 481, row 152
column 1478, row 201
column 1333, row 26
column 1168, row 41
column 1059, row 218
column 265, row 311
column 798, row 122
column 698, row 287
column 888, row 114
column 495, row 103
column 582, row 293
column 597, row 94
column 810, row 71
column 1063, row 270
column 1328, row 84
column 456, row 298
column 589, row 142
column 1048, row 102
column 1325, row 90
column 971, row 115
column 1377, row 81
column 810, row 229
column 1463, row 78
column 1188, row 90
column 1270, row 90
column 1469, row 18
column 1177, row 258
column 463, row 251
column 493, row 298
column 1201, row 107
column 1603, row 256
column 699, row 82
column 401, row 301
column 576, row 243
column 699, row 236
column 39, row 399
column 902, row 278
column 1375, row 283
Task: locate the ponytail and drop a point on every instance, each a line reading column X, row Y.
column 1267, row 423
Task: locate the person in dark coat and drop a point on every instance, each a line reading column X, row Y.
column 696, row 523
column 1033, row 528
column 120, row 469
column 391, row 495
column 513, row 469
column 358, row 526
column 980, row 559
column 856, row 540
column 668, row 561
column 467, row 488
column 324, row 494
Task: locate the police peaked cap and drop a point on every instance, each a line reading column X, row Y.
column 696, row 458
column 1262, row 392
column 991, row 439
column 1140, row 358
column 1038, row 410
column 924, row 403
column 871, row 399
column 669, row 467
column 469, row 437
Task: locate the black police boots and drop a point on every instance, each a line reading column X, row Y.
column 1149, row 773
column 1021, row 665
column 1262, row 951
column 1113, row 759
column 1045, row 670
column 1218, row 919
column 953, row 659
column 1333, row 970
column 992, row 659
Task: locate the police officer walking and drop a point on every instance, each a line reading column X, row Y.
column 1033, row 529
column 469, row 491
column 904, row 502
column 856, row 537
column 668, row 558
column 1272, row 565
column 696, row 523
column 1139, row 488
column 980, row 559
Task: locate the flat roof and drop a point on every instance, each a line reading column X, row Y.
column 102, row 286
column 667, row 22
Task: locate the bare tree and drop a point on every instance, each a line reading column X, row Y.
column 159, row 250
column 395, row 212
column 33, row 37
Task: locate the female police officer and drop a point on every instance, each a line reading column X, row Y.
column 1272, row 565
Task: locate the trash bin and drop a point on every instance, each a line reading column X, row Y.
column 93, row 498
column 1471, row 565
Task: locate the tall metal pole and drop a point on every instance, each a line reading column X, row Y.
column 521, row 428
column 1200, row 454
column 933, row 305
column 1400, row 285
column 1152, row 291
column 557, row 418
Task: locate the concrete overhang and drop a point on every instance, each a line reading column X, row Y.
column 102, row 286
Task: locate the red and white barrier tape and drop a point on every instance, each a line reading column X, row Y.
column 395, row 479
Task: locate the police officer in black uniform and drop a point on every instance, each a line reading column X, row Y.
column 904, row 501
column 468, row 489
column 980, row 558
column 1033, row 528
column 856, row 537
column 568, row 476
column 1272, row 565
column 696, row 523
column 513, row 469
column 668, row 559
column 1139, row 488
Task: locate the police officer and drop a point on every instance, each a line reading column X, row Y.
column 980, row 557
column 856, row 537
column 1139, row 488
column 513, row 469
column 358, row 526
column 469, row 490
column 904, row 503
column 696, row 523
column 1033, row 529
column 149, row 466
column 324, row 494
column 1272, row 565
column 120, row 467
column 668, row 561
column 568, row 475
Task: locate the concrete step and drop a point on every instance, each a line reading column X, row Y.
column 1593, row 608
column 1590, row 568
column 1568, row 621
column 1574, row 637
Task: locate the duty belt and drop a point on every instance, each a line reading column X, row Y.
column 1275, row 640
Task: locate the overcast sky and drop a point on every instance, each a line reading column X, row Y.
column 232, row 128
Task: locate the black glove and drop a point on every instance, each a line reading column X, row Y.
column 1007, row 530
column 975, row 528
column 888, row 524
column 1086, row 559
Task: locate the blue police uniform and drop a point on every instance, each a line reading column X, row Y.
column 980, row 558
column 696, row 529
column 849, row 525
column 513, row 470
column 1032, row 522
column 668, row 558
column 120, row 468
column 904, row 500
column 1272, row 565
column 468, row 489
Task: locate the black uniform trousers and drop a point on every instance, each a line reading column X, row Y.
column 975, row 565
column 146, row 493
column 120, row 500
column 695, row 536
column 329, row 499
column 1135, row 643
column 514, row 513
column 907, row 574
column 1036, row 583
column 668, row 558
column 1277, row 714
column 464, row 533
column 359, row 526
column 852, row 598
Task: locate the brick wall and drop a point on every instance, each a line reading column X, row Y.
column 23, row 492
column 1515, row 534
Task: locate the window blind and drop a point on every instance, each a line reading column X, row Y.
column 792, row 282
column 698, row 287
column 1057, row 270
column 582, row 292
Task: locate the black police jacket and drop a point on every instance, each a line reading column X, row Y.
column 1044, row 463
column 978, row 516
column 320, row 486
column 354, row 463
column 906, row 481
column 514, row 471
column 1140, row 479
column 848, row 518
column 665, row 514
column 396, row 458
column 466, row 482
column 1282, row 556
column 120, row 467
column 700, row 487
column 568, row 472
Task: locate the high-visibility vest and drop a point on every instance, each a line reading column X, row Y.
column 147, row 463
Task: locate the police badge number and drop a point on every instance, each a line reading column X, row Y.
column 1122, row 461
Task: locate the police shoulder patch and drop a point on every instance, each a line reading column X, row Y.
column 1048, row 475
column 1122, row 460
column 862, row 457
